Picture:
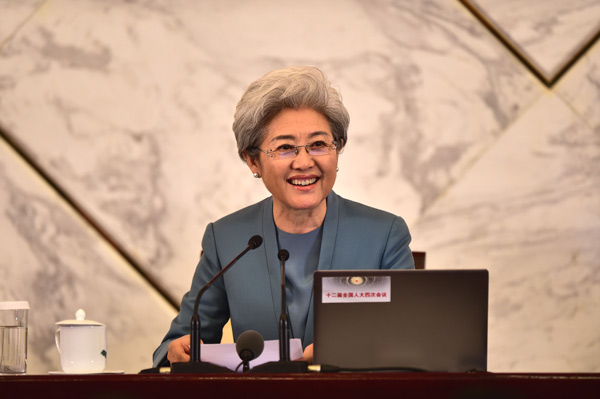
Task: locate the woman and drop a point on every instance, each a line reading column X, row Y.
column 290, row 126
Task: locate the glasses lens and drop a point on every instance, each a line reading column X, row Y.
column 319, row 148
column 285, row 154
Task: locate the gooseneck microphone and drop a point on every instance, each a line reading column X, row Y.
column 195, row 365
column 249, row 346
column 284, row 323
column 284, row 365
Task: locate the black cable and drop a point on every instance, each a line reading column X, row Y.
column 238, row 366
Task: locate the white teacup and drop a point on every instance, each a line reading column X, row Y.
column 81, row 344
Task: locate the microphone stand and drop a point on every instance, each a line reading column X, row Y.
column 195, row 365
column 284, row 365
column 284, row 324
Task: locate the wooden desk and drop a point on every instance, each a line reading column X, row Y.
column 283, row 386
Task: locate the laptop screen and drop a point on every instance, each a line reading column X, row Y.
column 424, row 320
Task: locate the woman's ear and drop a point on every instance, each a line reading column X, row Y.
column 252, row 163
column 340, row 147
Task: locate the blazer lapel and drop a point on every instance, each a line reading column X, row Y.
column 272, row 263
column 330, row 230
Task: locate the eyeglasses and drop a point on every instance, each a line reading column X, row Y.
column 288, row 151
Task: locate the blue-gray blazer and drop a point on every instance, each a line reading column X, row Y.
column 355, row 236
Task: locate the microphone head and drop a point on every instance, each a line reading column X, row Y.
column 283, row 254
column 249, row 345
column 255, row 242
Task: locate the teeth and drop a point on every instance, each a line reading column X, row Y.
column 299, row 182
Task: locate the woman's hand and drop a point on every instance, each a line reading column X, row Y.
column 179, row 350
column 308, row 354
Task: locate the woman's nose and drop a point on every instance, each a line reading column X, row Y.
column 303, row 160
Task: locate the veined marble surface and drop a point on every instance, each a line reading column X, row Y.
column 548, row 32
column 14, row 15
column 529, row 212
column 128, row 106
column 581, row 88
column 134, row 105
column 54, row 260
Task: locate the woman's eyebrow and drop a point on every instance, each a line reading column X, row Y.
column 292, row 137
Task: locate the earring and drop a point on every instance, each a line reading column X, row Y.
column 256, row 175
column 337, row 168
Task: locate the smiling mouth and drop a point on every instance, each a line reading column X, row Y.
column 303, row 182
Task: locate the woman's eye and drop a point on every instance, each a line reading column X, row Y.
column 318, row 144
column 285, row 147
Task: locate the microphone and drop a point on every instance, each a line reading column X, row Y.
column 249, row 346
column 195, row 365
column 284, row 365
column 284, row 323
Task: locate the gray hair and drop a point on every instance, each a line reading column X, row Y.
column 295, row 88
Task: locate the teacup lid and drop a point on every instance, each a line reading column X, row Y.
column 79, row 320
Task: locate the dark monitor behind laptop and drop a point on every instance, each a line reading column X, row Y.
column 429, row 320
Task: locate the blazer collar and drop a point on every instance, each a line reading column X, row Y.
column 330, row 229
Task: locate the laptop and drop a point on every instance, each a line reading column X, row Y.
column 412, row 320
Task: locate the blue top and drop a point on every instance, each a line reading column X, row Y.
column 354, row 236
column 299, row 268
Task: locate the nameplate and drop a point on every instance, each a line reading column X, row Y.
column 357, row 289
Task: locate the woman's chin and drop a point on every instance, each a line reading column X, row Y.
column 307, row 203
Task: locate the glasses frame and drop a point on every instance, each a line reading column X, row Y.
column 275, row 155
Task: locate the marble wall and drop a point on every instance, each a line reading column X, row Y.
column 117, row 150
